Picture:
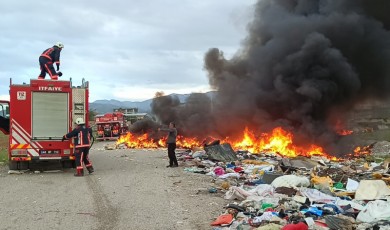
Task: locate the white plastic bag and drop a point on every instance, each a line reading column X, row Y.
column 374, row 211
column 290, row 181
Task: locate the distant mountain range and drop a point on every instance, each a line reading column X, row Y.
column 106, row 106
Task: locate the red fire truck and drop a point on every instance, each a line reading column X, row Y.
column 40, row 113
column 110, row 126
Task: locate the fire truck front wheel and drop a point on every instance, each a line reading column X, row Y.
column 68, row 164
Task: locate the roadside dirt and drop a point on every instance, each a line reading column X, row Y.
column 130, row 189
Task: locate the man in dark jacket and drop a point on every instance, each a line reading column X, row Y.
column 46, row 60
column 171, row 142
column 82, row 142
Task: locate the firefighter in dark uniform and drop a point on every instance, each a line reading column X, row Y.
column 82, row 142
column 46, row 60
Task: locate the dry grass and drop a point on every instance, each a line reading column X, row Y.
column 377, row 135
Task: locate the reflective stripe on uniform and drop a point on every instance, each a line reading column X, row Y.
column 47, row 56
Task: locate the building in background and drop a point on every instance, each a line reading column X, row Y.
column 131, row 114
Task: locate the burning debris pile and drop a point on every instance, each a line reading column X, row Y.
column 278, row 142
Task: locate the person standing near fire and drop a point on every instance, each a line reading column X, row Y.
column 82, row 142
column 46, row 60
column 171, row 143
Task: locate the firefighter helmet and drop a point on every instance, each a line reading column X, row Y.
column 80, row 121
column 59, row 45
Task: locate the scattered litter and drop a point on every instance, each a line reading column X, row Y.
column 213, row 190
column 53, row 171
column 110, row 147
column 177, row 182
column 269, row 191
column 121, row 146
column 17, row 171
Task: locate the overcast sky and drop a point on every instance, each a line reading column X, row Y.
column 127, row 50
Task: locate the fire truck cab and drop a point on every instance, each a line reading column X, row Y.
column 110, row 126
column 40, row 113
column 4, row 117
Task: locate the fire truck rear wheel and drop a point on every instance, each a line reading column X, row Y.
column 15, row 165
column 12, row 165
column 23, row 165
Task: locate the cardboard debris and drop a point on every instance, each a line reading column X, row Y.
column 110, row 146
column 372, row 190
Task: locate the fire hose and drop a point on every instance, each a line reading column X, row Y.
column 93, row 141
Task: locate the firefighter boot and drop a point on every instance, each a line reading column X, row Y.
column 90, row 169
column 79, row 172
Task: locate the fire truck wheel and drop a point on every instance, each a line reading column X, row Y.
column 23, row 165
column 12, row 165
column 67, row 164
column 15, row 165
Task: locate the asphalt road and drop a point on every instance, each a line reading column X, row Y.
column 130, row 189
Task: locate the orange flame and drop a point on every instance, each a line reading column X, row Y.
column 362, row 151
column 279, row 141
column 133, row 141
column 144, row 141
column 344, row 132
column 187, row 142
column 339, row 128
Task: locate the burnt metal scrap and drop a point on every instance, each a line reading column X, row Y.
column 223, row 153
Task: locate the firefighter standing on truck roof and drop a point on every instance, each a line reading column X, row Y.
column 46, row 60
column 82, row 142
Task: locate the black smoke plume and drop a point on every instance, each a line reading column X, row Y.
column 303, row 66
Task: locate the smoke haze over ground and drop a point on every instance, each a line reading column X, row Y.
column 303, row 66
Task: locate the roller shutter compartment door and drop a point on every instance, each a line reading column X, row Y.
column 50, row 113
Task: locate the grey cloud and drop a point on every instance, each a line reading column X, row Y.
column 125, row 40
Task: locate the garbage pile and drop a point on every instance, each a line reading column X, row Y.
column 269, row 191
